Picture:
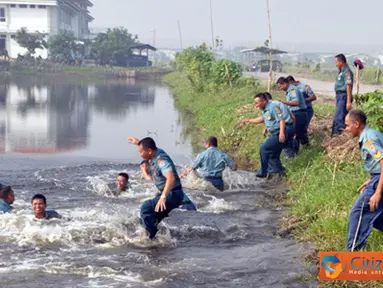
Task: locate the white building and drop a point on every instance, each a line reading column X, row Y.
column 45, row 16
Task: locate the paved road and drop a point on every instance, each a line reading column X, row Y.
column 319, row 87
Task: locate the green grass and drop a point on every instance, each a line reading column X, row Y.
column 89, row 72
column 321, row 191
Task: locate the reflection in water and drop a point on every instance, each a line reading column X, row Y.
column 40, row 116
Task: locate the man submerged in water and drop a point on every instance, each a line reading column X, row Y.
column 122, row 184
column 7, row 197
column 39, row 204
column 163, row 171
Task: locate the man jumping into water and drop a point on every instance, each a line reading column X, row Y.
column 170, row 193
column 211, row 164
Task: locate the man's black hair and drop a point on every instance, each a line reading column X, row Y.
column 40, row 196
column 290, row 79
column 281, row 80
column 261, row 96
column 147, row 143
column 5, row 191
column 358, row 115
column 125, row 175
column 341, row 58
column 212, row 141
column 268, row 96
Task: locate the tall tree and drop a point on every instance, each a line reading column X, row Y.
column 63, row 45
column 31, row 41
column 113, row 45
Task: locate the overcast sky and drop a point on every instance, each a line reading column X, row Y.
column 296, row 24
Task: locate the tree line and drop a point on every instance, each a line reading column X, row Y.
column 113, row 46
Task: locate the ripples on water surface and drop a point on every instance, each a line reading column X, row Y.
column 229, row 242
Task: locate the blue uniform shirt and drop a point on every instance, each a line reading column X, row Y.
column 5, row 207
column 307, row 92
column 293, row 94
column 272, row 115
column 371, row 145
column 286, row 113
column 50, row 214
column 160, row 165
column 212, row 162
column 345, row 77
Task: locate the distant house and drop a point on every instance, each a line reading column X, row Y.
column 139, row 56
column 45, row 16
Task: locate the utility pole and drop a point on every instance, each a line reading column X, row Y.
column 270, row 47
column 179, row 31
column 212, row 25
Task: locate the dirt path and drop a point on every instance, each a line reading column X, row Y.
column 321, row 88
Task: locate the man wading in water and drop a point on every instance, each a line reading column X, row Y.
column 211, row 163
column 170, row 194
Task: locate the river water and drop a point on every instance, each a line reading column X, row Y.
column 67, row 140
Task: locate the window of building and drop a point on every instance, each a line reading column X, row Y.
column 13, row 5
column 32, row 6
column 3, row 36
column 23, row 6
column 13, row 36
column 42, row 7
column 2, row 15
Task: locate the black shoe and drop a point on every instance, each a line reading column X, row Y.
column 261, row 175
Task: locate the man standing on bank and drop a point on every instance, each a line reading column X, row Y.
column 367, row 211
column 282, row 130
column 343, row 89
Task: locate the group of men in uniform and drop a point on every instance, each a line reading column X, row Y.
column 287, row 122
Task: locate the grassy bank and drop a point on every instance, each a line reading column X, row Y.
column 322, row 191
column 89, row 72
column 367, row 76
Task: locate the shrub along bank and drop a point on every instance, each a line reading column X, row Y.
column 322, row 183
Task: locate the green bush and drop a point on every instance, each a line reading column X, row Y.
column 372, row 104
column 226, row 72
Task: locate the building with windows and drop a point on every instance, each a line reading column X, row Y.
column 45, row 16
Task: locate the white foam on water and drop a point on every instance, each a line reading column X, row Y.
column 97, row 227
column 219, row 205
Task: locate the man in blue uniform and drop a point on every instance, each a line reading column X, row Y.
column 167, row 181
column 7, row 197
column 211, row 163
column 280, row 127
column 290, row 149
column 297, row 105
column 367, row 210
column 310, row 97
column 186, row 204
column 39, row 205
column 343, row 89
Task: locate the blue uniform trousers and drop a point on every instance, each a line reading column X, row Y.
column 150, row 218
column 217, row 182
column 369, row 219
column 310, row 114
column 340, row 114
column 270, row 152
